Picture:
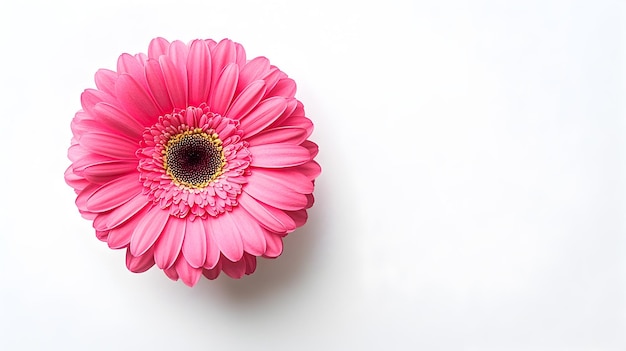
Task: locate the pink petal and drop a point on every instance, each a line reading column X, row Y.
column 102, row 235
column 278, row 155
column 105, row 81
column 250, row 263
column 226, row 235
column 251, row 233
column 213, row 273
column 299, row 217
column 158, row 47
column 300, row 122
column 114, row 193
column 175, row 81
column 247, row 100
column 110, row 145
column 119, row 236
column 268, row 216
column 167, row 248
column 254, row 70
column 310, row 169
column 287, row 135
column 118, row 120
column 222, row 94
column 212, row 250
column 136, row 100
column 127, row 64
column 106, row 171
column 224, row 53
column 195, row 244
column 178, row 52
column 292, row 178
column 157, row 86
column 82, row 123
column 77, row 182
column 88, row 159
column 285, row 87
column 148, row 230
column 81, row 199
column 211, row 44
column 171, row 273
column 240, row 55
column 76, row 152
column 189, row 275
column 292, row 104
column 274, row 245
column 139, row 264
column 311, row 146
column 198, row 72
column 90, row 97
column 311, row 200
column 263, row 115
column 235, row 270
column 270, row 190
column 272, row 77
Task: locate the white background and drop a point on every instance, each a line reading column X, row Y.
column 472, row 195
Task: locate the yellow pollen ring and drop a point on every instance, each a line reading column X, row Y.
column 212, row 138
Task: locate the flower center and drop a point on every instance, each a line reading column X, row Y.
column 194, row 158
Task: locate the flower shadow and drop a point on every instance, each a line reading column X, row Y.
column 274, row 275
column 277, row 274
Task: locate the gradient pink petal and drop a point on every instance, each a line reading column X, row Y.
column 274, row 245
column 223, row 54
column 148, row 230
column 167, row 248
column 121, row 214
column 189, row 275
column 299, row 217
column 292, row 178
column 311, row 146
column 275, row 194
column 287, row 135
column 213, row 273
column 157, row 86
column 136, row 100
column 310, row 169
column 227, row 237
column 105, row 81
column 139, row 264
column 114, row 193
column 236, row 269
column 278, row 155
column 127, row 64
column 105, row 144
column 118, row 120
column 253, row 70
column 175, row 81
column 105, row 171
column 222, row 94
column 195, row 245
column 247, row 100
column 158, row 47
column 212, row 251
column 198, row 72
column 119, row 236
column 285, row 87
column 263, row 115
column 251, row 233
column 268, row 216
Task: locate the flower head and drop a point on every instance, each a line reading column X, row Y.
column 193, row 158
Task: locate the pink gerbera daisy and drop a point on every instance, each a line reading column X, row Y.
column 193, row 158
